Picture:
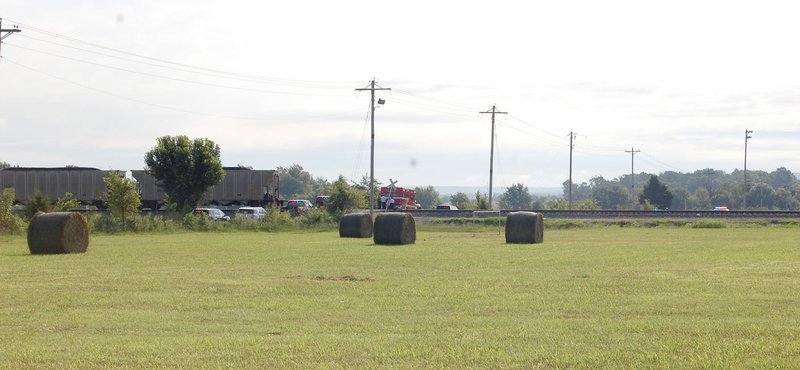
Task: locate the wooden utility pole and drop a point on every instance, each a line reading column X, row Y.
column 633, row 152
column 6, row 32
column 491, row 153
column 571, row 146
column 747, row 138
column 372, row 87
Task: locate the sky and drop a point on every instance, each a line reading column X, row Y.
column 94, row 83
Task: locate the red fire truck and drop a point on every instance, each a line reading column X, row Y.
column 398, row 198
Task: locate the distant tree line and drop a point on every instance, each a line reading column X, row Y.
column 702, row 189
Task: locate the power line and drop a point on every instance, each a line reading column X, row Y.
column 166, row 107
column 152, row 75
column 185, row 70
column 185, row 65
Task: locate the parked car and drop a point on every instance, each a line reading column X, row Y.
column 297, row 206
column 253, row 213
column 323, row 200
column 214, row 214
column 447, row 206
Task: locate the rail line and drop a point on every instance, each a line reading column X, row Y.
column 601, row 214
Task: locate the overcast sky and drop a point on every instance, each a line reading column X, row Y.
column 94, row 83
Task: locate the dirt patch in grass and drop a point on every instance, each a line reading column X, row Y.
column 343, row 278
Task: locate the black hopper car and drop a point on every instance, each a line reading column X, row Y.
column 240, row 186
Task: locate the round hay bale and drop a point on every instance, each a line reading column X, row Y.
column 394, row 228
column 355, row 225
column 524, row 227
column 58, row 232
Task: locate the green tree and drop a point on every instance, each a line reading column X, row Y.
column 427, row 197
column 761, row 196
column 481, row 200
column 461, row 200
column 185, row 168
column 656, row 194
column 345, row 197
column 296, row 183
column 611, row 196
column 67, row 203
column 38, row 202
column 9, row 222
column 680, row 199
column 579, row 191
column 781, row 178
column 121, row 197
column 516, row 197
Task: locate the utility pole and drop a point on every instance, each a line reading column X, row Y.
column 571, row 146
column 372, row 87
column 491, row 154
column 747, row 137
column 633, row 152
column 6, row 32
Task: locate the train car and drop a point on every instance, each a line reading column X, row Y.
column 85, row 183
column 240, row 186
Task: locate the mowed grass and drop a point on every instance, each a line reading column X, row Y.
column 586, row 298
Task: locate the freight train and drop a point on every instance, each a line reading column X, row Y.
column 240, row 186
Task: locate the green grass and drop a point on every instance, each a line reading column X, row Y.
column 611, row 297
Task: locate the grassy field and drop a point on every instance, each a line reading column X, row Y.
column 610, row 297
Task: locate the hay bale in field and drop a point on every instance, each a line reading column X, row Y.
column 394, row 228
column 524, row 227
column 58, row 232
column 355, row 225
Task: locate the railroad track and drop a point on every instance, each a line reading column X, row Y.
column 593, row 214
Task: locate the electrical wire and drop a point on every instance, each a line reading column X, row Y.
column 359, row 154
column 128, row 53
column 152, row 75
column 166, row 107
column 216, row 75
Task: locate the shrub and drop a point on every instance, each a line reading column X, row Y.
column 9, row 222
column 708, row 224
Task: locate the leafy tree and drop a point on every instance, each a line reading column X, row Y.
column 38, row 202
column 761, row 196
column 701, row 199
column 611, row 196
column 781, row 178
column 364, row 185
column 121, row 197
column 9, row 222
column 67, row 203
column 785, row 199
column 185, row 168
column 579, row 191
column 427, row 197
column 345, row 197
column 296, row 182
column 680, row 199
column 481, row 200
column 656, row 194
column 516, row 197
column 461, row 200
column 4, row 164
